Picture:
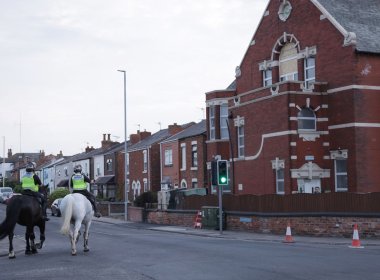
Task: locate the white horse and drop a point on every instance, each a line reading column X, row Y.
column 76, row 209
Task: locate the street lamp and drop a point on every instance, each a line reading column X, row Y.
column 125, row 149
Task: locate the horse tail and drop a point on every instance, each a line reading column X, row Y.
column 67, row 213
column 8, row 225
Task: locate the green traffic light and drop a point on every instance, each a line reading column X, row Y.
column 223, row 180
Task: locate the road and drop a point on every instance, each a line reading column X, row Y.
column 135, row 251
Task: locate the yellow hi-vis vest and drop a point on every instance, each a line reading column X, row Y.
column 78, row 182
column 28, row 182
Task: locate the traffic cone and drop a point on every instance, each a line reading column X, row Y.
column 355, row 238
column 288, row 236
column 198, row 220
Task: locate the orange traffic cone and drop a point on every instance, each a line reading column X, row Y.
column 198, row 220
column 288, row 236
column 355, row 238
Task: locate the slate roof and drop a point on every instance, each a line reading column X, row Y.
column 153, row 139
column 194, row 130
column 359, row 16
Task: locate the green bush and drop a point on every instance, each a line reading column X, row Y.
column 17, row 189
column 58, row 193
column 146, row 197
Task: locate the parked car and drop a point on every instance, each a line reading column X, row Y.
column 5, row 193
column 55, row 207
column 12, row 195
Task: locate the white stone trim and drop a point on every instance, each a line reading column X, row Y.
column 183, row 145
column 325, row 106
column 326, row 144
column 194, row 142
column 216, row 101
column 293, row 144
column 292, row 105
column 265, row 136
column 334, row 90
column 322, row 119
column 278, row 163
column 293, row 157
column 293, row 119
column 347, row 125
column 326, row 157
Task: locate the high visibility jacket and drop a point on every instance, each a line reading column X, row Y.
column 28, row 182
column 78, row 182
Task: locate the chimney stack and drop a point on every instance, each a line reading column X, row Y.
column 174, row 128
column 9, row 153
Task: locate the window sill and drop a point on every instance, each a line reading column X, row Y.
column 194, row 168
column 308, row 135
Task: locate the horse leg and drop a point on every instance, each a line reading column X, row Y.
column 32, row 243
column 85, row 237
column 11, row 254
column 42, row 236
column 27, row 249
column 74, row 237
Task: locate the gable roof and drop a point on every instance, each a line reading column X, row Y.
column 154, row 138
column 194, row 130
column 360, row 17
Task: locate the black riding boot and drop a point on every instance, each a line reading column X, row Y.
column 93, row 202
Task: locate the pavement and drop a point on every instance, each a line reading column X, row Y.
column 19, row 242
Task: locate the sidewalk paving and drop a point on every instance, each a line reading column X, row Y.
column 19, row 242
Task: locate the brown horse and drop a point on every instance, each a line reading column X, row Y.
column 24, row 210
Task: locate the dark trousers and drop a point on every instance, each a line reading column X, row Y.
column 89, row 196
column 40, row 197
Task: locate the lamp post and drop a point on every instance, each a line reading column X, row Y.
column 125, row 149
column 3, row 172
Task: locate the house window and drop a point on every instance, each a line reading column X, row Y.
column 98, row 169
column 223, row 121
column 183, row 155
column 341, row 180
column 288, row 63
column 145, row 155
column 267, row 77
column 146, row 185
column 240, row 135
column 66, row 172
column 309, row 71
column 306, row 119
column 280, row 181
column 183, row 184
column 212, row 122
column 194, row 155
column 168, row 157
column 194, row 184
column 109, row 164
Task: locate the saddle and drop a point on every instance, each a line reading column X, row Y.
column 30, row 193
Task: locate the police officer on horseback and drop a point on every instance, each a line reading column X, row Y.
column 78, row 183
column 30, row 186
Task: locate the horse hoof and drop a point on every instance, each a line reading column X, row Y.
column 34, row 251
column 12, row 256
column 73, row 254
column 86, row 250
column 28, row 252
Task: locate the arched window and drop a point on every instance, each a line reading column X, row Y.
column 306, row 119
column 183, row 184
column 288, row 63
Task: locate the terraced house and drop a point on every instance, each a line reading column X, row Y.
column 303, row 113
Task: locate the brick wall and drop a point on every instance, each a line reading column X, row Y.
column 328, row 226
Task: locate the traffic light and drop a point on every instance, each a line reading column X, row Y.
column 214, row 173
column 222, row 172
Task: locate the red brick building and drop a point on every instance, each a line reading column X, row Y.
column 303, row 114
column 183, row 158
column 144, row 169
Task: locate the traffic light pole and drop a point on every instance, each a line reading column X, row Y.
column 220, row 190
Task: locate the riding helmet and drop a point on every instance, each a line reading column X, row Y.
column 78, row 168
column 30, row 167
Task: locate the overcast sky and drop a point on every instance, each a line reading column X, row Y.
column 59, row 85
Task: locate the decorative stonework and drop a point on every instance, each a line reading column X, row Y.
column 310, row 170
column 239, row 121
column 278, row 164
column 274, row 89
column 284, row 10
column 237, row 71
column 339, row 154
column 350, row 39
